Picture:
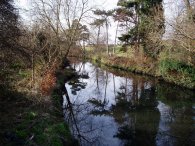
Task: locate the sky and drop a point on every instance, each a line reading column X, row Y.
column 170, row 6
column 101, row 4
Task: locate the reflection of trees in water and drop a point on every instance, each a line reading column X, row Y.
column 100, row 79
column 80, row 122
column 136, row 95
column 99, row 107
column 77, row 114
column 184, row 134
column 106, row 85
column 139, row 129
column 132, row 100
column 76, row 83
column 135, row 111
column 177, row 123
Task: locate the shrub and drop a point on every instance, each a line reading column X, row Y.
column 174, row 65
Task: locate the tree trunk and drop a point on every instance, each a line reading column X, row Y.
column 107, row 45
column 33, row 70
column 98, row 37
column 97, row 79
column 114, row 86
column 138, row 38
column 68, row 49
column 84, row 48
column 113, row 51
column 105, row 94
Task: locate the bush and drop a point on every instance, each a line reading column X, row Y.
column 178, row 72
column 16, row 65
column 174, row 65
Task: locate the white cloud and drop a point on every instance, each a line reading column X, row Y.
column 106, row 4
column 22, row 4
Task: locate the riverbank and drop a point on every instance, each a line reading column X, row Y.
column 166, row 69
column 34, row 119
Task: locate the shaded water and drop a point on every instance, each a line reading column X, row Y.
column 115, row 108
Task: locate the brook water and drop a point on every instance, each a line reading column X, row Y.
column 115, row 108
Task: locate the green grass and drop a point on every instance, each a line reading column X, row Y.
column 44, row 129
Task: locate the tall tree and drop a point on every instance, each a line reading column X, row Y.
column 84, row 37
column 105, row 15
column 124, row 18
column 128, row 13
column 152, row 26
column 146, row 16
column 98, row 23
column 8, row 25
column 82, row 34
column 9, row 35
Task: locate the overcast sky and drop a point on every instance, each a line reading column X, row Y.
column 107, row 4
column 101, row 4
column 170, row 6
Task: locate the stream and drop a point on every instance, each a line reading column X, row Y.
column 110, row 107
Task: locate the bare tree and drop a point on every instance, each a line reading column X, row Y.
column 63, row 17
column 183, row 32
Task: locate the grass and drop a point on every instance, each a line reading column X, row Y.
column 43, row 129
column 25, row 122
column 32, row 119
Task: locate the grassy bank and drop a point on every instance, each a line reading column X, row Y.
column 34, row 119
column 165, row 68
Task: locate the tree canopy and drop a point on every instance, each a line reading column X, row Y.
column 144, row 17
column 8, row 25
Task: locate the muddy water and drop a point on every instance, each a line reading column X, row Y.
column 114, row 108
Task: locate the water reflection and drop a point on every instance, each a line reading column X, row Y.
column 115, row 108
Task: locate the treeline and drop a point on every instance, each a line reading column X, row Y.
column 60, row 28
column 30, row 105
column 148, row 41
column 142, row 26
column 30, row 52
column 10, row 49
